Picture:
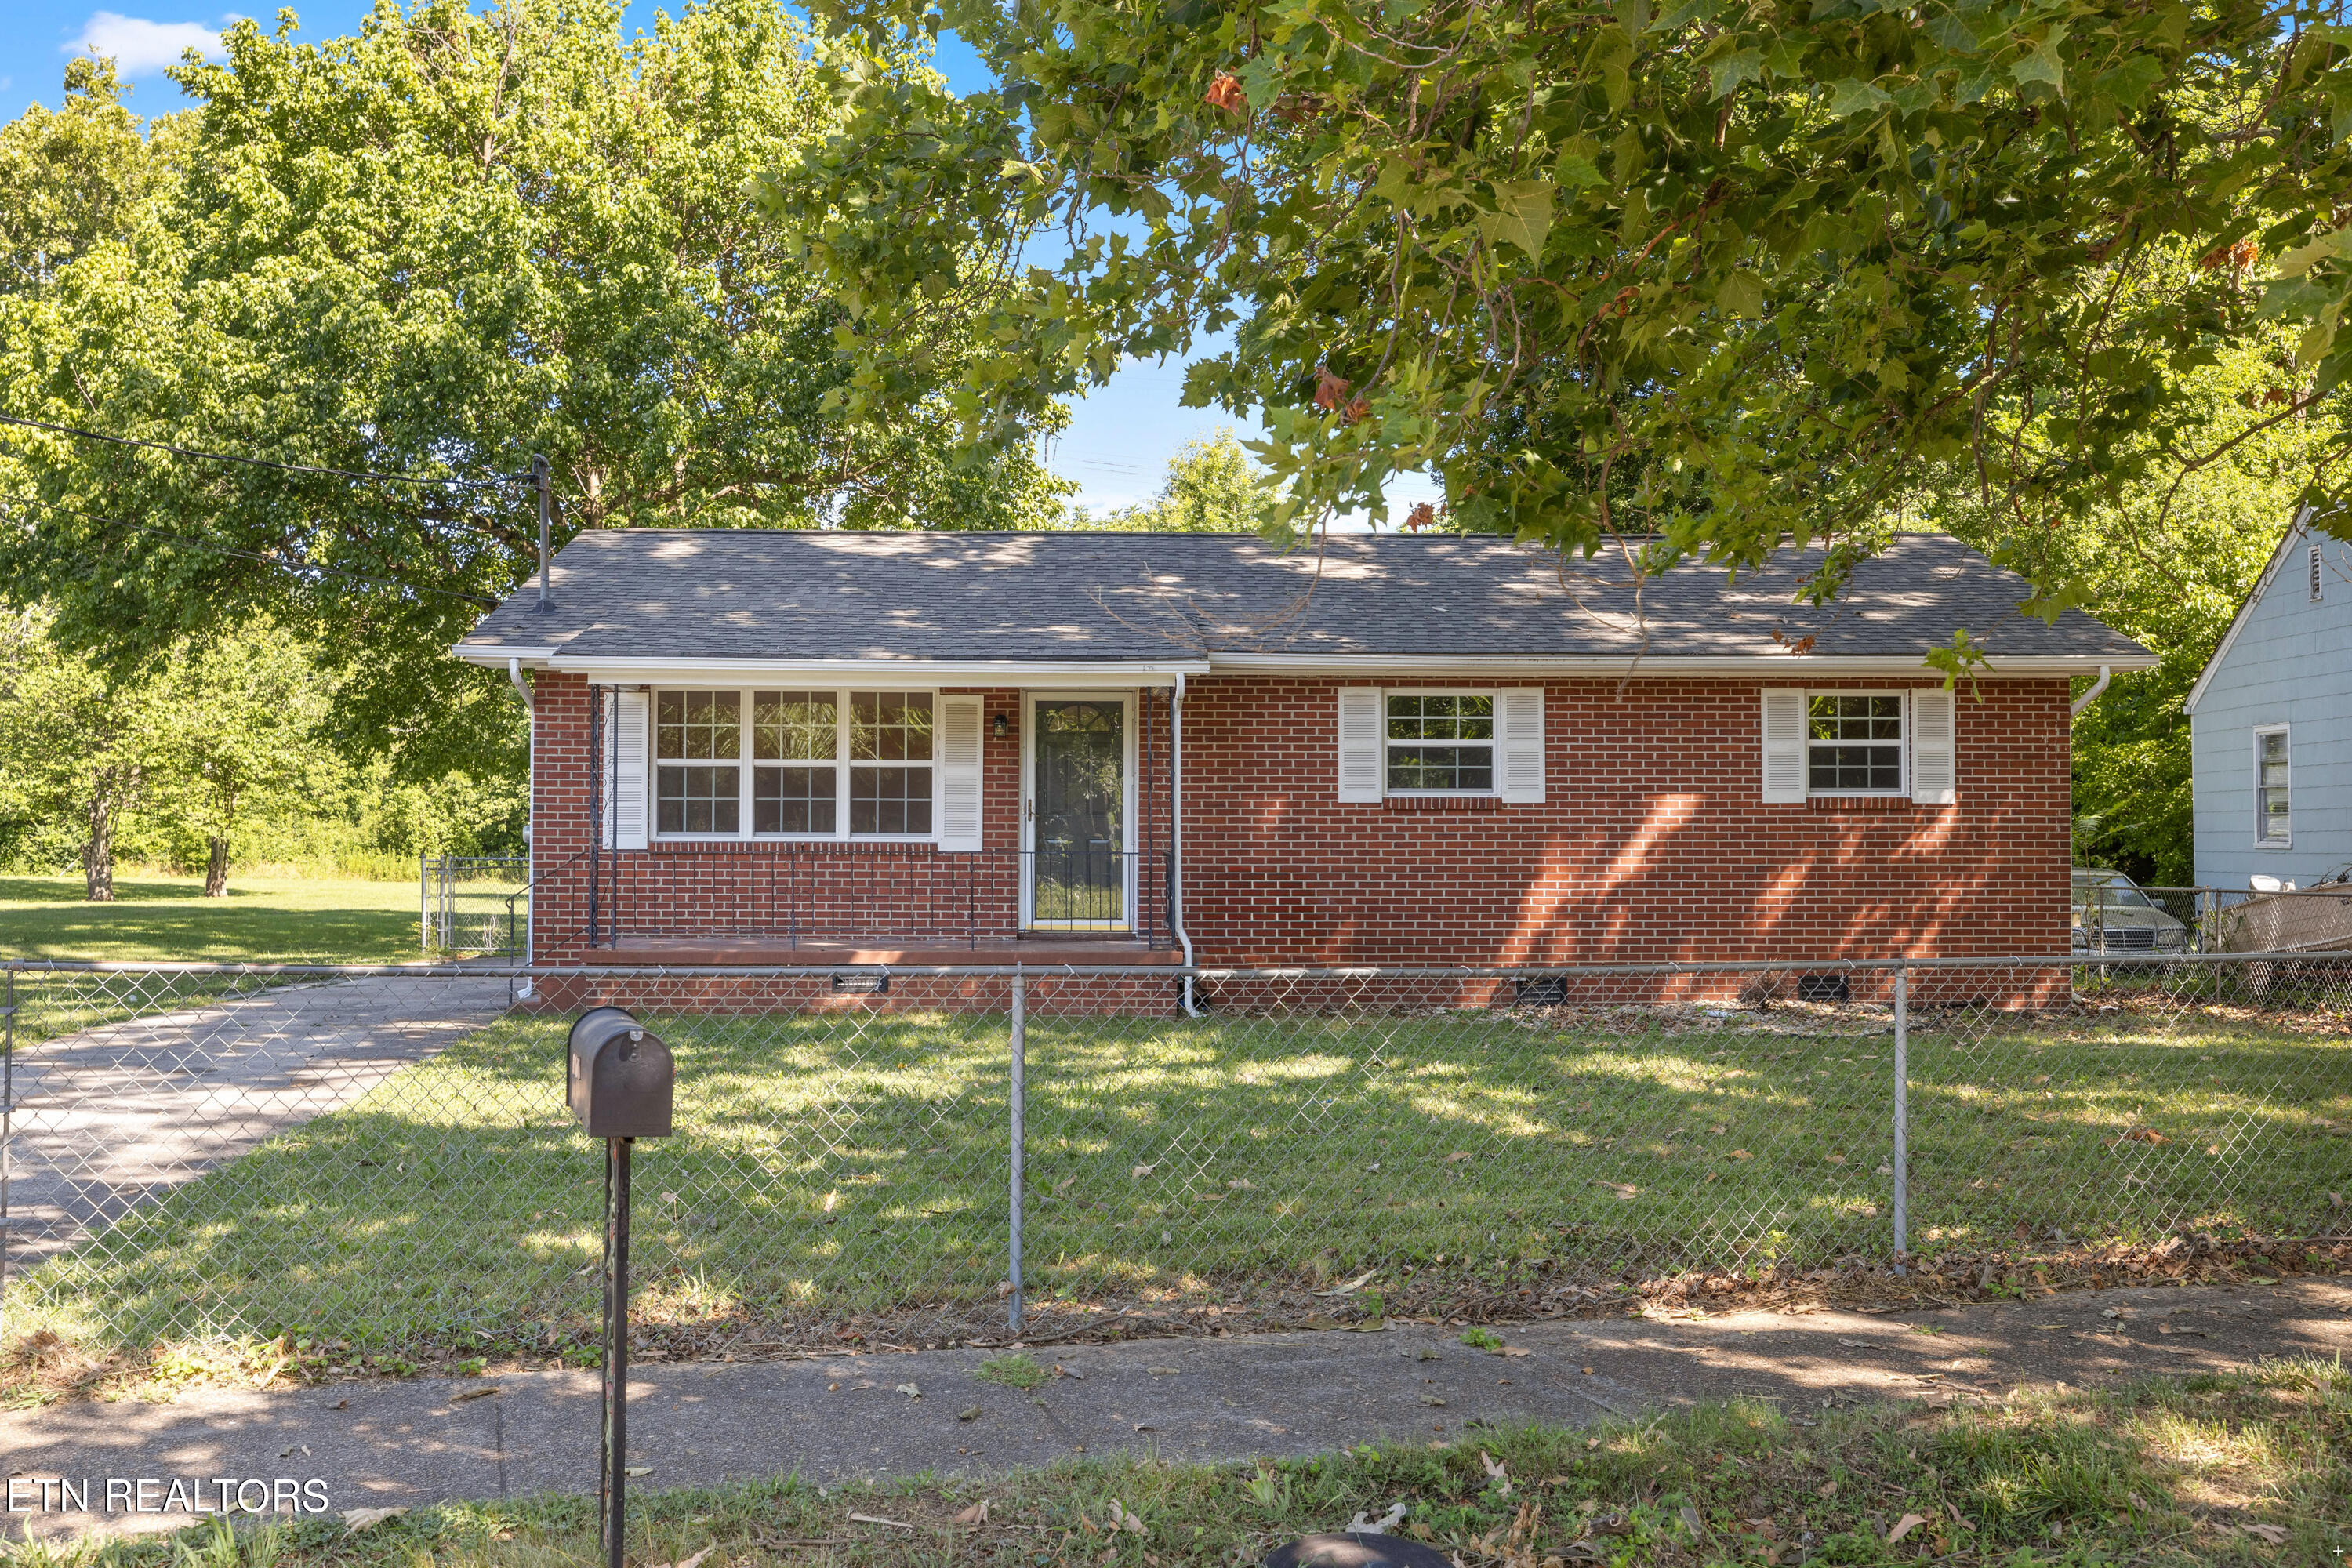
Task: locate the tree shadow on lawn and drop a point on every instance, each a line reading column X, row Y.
column 833, row 1165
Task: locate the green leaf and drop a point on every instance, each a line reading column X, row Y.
column 2128, row 83
column 2295, row 300
column 2304, row 258
column 1849, row 97
column 1950, row 33
column 2043, row 64
column 1727, row 72
column 1741, row 294
column 1522, row 215
column 1576, row 172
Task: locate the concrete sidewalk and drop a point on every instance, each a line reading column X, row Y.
column 427, row 1440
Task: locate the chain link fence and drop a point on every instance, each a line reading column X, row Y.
column 381, row 1159
column 473, row 903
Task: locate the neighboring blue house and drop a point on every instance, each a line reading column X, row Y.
column 2270, row 723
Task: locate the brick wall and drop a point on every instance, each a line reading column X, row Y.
column 764, row 889
column 1650, row 844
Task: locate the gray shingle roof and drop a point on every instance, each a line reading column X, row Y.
column 775, row 595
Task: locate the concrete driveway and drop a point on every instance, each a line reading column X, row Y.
column 113, row 1116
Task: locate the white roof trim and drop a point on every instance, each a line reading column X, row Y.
column 2294, row 530
column 930, row 672
column 1778, row 665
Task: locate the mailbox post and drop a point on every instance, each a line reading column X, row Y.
column 620, row 1081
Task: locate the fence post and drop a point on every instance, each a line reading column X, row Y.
column 1901, row 1163
column 423, row 907
column 1017, row 1093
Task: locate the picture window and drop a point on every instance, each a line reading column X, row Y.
column 801, row 764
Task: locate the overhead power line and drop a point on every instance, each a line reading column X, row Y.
column 255, row 462
column 481, row 600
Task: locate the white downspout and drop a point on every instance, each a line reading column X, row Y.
column 1176, row 834
column 530, row 811
column 2074, row 708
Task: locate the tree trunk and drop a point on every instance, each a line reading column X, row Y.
column 216, row 868
column 98, row 848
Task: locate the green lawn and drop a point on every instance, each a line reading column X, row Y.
column 853, row 1163
column 291, row 920
column 2167, row 1472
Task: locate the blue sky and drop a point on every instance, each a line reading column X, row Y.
column 1119, row 440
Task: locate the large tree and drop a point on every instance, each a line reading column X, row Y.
column 1734, row 271
column 432, row 249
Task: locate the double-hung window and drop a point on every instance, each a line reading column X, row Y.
column 793, row 764
column 1853, row 742
column 1440, row 742
column 2274, row 822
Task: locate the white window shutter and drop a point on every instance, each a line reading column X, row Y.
column 1784, row 745
column 1519, row 742
column 625, row 772
column 959, row 769
column 1934, row 776
column 1359, row 744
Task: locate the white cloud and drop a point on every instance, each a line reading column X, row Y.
column 137, row 46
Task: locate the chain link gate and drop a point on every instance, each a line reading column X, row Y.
column 379, row 1160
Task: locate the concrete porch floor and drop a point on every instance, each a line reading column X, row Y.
column 1082, row 949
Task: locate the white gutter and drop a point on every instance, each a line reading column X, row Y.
column 1772, row 666
column 2074, row 708
column 1176, row 834
column 531, row 803
column 1113, row 674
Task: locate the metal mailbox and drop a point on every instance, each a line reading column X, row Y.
column 622, row 1075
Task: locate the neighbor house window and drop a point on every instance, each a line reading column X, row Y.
column 1441, row 742
column 1853, row 743
column 793, row 764
column 2273, row 819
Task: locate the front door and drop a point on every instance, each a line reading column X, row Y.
column 1077, row 874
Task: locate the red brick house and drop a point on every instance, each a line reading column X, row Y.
column 921, row 748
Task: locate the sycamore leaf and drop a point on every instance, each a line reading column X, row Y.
column 2043, row 64
column 1725, row 73
column 1849, row 96
column 2304, row 258
column 1522, row 215
column 2128, row 83
column 1576, row 172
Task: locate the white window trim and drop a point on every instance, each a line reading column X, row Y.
column 1493, row 696
column 745, row 762
column 1902, row 745
column 2260, row 730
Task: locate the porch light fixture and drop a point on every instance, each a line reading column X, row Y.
column 1001, row 728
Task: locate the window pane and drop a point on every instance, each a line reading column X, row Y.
column 696, row 800
column 792, row 800
column 793, row 726
column 890, row 800
column 1441, row 717
column 693, row 725
column 1856, row 768
column 891, row 726
column 1441, row 767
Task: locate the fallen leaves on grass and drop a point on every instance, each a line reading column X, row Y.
column 358, row 1519
column 976, row 1514
column 1904, row 1526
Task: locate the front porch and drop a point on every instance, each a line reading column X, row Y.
column 1043, row 949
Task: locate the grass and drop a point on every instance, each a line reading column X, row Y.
column 158, row 917
column 848, row 1169
column 2247, row 1468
